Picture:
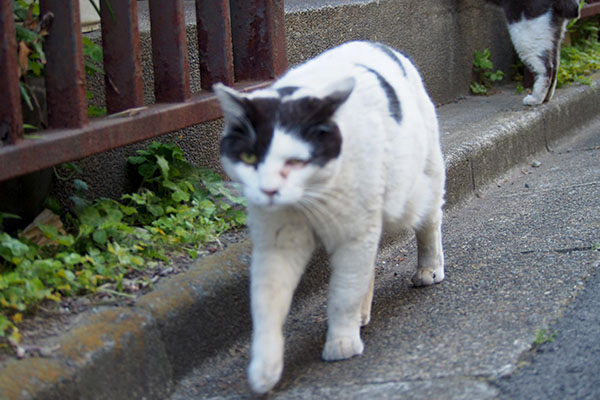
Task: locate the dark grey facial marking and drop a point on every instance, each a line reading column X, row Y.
column 309, row 118
column 390, row 93
column 391, row 54
column 252, row 135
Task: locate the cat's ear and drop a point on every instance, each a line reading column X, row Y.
column 337, row 93
column 232, row 102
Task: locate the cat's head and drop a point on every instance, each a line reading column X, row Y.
column 280, row 144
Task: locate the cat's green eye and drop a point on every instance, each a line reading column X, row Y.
column 248, row 158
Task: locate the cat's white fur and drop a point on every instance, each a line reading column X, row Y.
column 387, row 173
column 531, row 38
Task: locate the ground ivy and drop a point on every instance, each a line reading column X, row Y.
column 582, row 57
column 177, row 208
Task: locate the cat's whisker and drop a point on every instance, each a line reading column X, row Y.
column 327, row 195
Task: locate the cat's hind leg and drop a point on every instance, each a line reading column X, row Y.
column 535, row 42
column 430, row 264
column 556, row 58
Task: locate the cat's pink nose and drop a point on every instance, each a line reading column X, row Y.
column 270, row 193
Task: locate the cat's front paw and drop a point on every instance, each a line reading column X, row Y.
column 427, row 276
column 263, row 375
column 342, row 348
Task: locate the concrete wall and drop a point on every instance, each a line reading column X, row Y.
column 440, row 36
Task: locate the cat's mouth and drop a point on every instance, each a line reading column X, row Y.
column 272, row 205
column 275, row 203
column 267, row 203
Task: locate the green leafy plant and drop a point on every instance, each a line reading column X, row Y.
column 544, row 336
column 173, row 193
column 177, row 209
column 582, row 57
column 483, row 68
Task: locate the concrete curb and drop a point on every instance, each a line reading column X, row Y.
column 497, row 132
column 142, row 351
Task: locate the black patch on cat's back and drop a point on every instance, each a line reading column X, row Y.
column 516, row 9
column 254, row 134
column 391, row 54
column 390, row 93
column 566, row 8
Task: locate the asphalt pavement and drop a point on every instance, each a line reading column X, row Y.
column 520, row 261
column 566, row 365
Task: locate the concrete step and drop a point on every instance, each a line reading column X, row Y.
column 191, row 319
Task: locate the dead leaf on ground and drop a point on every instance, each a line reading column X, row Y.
column 33, row 232
column 24, row 51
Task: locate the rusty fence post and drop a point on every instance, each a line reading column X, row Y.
column 11, row 119
column 64, row 71
column 169, row 51
column 214, row 42
column 258, row 30
column 249, row 47
column 591, row 8
column 122, row 55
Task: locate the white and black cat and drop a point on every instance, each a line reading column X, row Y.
column 537, row 28
column 334, row 150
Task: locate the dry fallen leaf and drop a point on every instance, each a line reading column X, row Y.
column 17, row 318
column 128, row 113
column 23, row 52
column 33, row 232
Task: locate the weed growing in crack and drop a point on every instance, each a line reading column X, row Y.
column 483, row 68
column 544, row 336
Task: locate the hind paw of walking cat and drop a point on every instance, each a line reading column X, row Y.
column 263, row 375
column 365, row 318
column 427, row 276
column 342, row 348
column 531, row 100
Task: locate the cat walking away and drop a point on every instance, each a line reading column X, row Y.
column 330, row 153
column 537, row 28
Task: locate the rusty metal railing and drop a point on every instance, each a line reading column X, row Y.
column 241, row 42
column 592, row 7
